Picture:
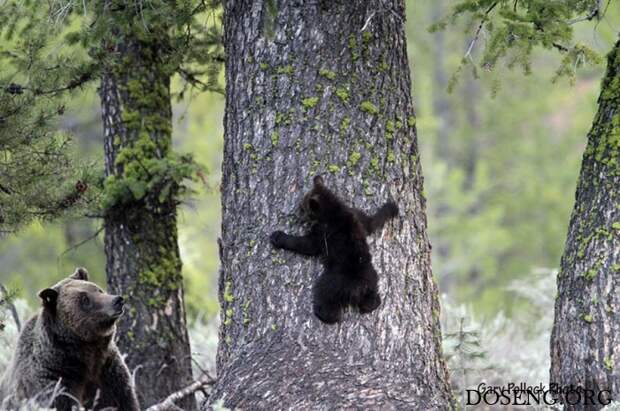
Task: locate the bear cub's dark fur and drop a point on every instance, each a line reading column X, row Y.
column 338, row 236
column 68, row 346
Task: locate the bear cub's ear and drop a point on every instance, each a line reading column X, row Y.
column 80, row 274
column 49, row 297
column 314, row 204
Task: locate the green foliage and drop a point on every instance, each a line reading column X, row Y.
column 354, row 158
column 343, row 94
column 499, row 196
column 40, row 176
column 275, row 138
column 500, row 163
column 40, row 255
column 285, row 70
column 604, row 139
column 513, row 29
column 333, row 168
column 147, row 178
column 146, row 169
column 189, row 32
column 53, row 50
column 609, row 364
column 576, row 57
column 309, row 102
column 269, row 18
column 327, row 74
column 484, row 349
column 368, row 107
column 345, row 124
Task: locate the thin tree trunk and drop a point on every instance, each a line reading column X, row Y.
column 441, row 103
column 585, row 342
column 322, row 87
column 471, row 98
column 142, row 255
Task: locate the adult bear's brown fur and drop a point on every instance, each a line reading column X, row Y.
column 70, row 343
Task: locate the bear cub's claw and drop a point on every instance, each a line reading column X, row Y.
column 392, row 209
column 277, row 238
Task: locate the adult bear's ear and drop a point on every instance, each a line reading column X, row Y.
column 80, row 274
column 318, row 180
column 49, row 296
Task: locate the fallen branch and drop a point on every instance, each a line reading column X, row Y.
column 169, row 403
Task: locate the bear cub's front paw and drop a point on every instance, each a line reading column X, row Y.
column 391, row 209
column 277, row 239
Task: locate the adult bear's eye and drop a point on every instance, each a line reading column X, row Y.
column 84, row 301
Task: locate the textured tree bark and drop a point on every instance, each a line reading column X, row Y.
column 322, row 87
column 585, row 342
column 142, row 255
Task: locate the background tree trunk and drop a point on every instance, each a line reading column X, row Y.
column 585, row 342
column 471, row 100
column 322, row 87
column 442, row 109
column 143, row 262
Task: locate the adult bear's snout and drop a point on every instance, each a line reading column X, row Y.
column 118, row 303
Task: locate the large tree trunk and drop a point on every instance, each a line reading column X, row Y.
column 585, row 342
column 143, row 262
column 322, row 87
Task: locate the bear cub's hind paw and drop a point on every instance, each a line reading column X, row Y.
column 328, row 315
column 370, row 303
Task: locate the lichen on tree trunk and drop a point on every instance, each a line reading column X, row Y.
column 322, row 87
column 585, row 342
column 142, row 254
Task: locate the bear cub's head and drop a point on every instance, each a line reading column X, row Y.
column 82, row 309
column 320, row 204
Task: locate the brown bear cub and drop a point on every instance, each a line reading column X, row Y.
column 68, row 347
column 338, row 236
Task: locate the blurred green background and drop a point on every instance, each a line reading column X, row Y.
column 500, row 153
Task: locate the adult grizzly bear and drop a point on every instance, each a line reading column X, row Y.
column 68, row 346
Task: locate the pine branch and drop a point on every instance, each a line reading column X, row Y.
column 479, row 29
column 78, row 82
column 5, row 190
column 594, row 13
column 73, row 84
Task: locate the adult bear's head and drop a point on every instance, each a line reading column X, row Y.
column 79, row 308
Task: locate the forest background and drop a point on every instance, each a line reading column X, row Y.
column 501, row 152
